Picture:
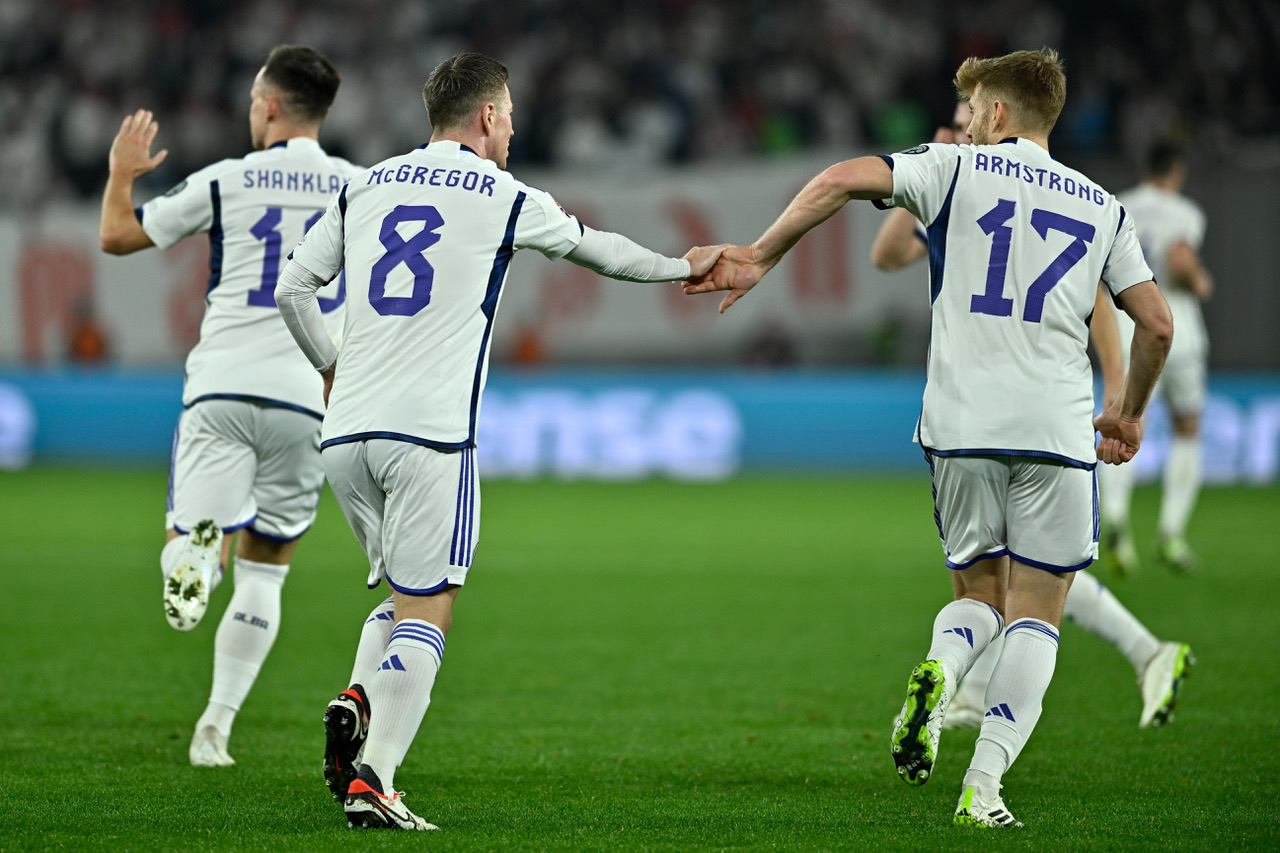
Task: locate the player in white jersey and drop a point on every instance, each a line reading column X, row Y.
column 246, row 457
column 1017, row 245
column 426, row 239
column 1171, row 231
column 1160, row 667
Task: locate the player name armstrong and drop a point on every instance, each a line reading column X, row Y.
column 407, row 173
column 278, row 179
column 1011, row 168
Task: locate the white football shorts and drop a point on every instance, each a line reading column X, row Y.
column 415, row 511
column 1040, row 513
column 245, row 465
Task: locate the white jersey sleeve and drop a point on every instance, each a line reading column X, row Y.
column 1125, row 265
column 186, row 209
column 547, row 227
column 922, row 177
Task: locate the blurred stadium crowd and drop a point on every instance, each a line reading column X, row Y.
column 616, row 84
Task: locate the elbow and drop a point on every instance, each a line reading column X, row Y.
column 886, row 260
column 1161, row 332
column 111, row 243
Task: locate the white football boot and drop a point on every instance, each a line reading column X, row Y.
column 209, row 749
column 186, row 590
column 1160, row 680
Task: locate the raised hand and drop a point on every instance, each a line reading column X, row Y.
column 736, row 271
column 131, row 149
column 1120, row 440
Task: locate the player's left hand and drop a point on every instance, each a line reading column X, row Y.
column 131, row 150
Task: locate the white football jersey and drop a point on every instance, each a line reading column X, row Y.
column 426, row 238
column 1017, row 245
column 1164, row 219
column 254, row 209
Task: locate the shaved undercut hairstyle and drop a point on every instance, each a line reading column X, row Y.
column 460, row 86
column 1030, row 82
column 304, row 79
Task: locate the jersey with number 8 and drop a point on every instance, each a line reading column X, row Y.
column 1017, row 245
column 426, row 239
column 254, row 209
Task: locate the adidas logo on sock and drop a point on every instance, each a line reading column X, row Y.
column 1001, row 710
column 962, row 632
column 393, row 662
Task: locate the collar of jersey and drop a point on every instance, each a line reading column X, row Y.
column 284, row 143
column 445, row 144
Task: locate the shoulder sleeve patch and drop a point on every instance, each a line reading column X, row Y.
column 177, row 188
column 919, row 149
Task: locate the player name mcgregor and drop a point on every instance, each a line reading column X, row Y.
column 1011, row 168
column 278, row 179
column 437, row 177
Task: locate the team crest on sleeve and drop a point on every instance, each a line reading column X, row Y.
column 919, row 149
column 177, row 188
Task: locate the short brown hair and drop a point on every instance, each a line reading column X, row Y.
column 1030, row 81
column 460, row 86
column 304, row 78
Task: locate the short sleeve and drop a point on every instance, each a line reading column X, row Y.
column 922, row 177
column 321, row 251
column 1125, row 265
column 186, row 209
column 547, row 227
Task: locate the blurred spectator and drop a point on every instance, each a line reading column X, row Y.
column 86, row 339
column 615, row 84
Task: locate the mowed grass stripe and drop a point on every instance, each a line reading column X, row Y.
column 633, row 666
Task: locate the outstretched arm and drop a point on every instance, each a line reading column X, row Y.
column 119, row 231
column 618, row 257
column 741, row 267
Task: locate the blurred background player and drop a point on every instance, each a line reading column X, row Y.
column 1008, row 403
column 426, row 239
column 1160, row 667
column 1171, row 230
column 246, row 452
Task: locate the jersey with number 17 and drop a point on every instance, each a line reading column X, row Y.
column 1017, row 245
column 254, row 209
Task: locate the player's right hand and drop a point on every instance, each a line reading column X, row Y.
column 131, row 150
column 737, row 271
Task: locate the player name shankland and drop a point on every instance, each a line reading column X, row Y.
column 1010, row 168
column 278, row 179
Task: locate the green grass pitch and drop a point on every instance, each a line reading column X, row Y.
column 649, row 666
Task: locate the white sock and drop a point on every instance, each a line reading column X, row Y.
column 1092, row 606
column 972, row 692
column 1181, row 486
column 399, row 694
column 373, row 642
column 1115, row 490
column 245, row 636
column 961, row 631
column 1015, row 695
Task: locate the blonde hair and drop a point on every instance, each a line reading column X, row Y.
column 1031, row 82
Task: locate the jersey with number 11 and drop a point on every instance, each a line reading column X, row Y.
column 1017, row 245
column 254, row 209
